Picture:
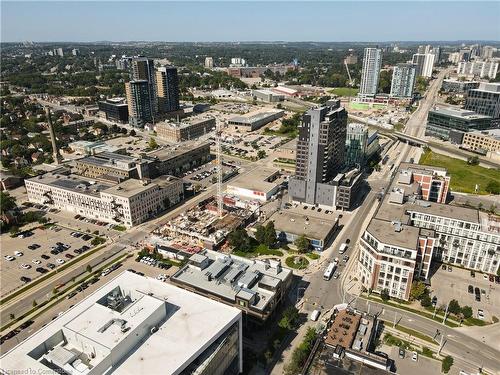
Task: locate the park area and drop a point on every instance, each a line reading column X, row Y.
column 365, row 106
column 464, row 176
column 344, row 91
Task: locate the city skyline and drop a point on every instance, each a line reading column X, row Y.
column 194, row 21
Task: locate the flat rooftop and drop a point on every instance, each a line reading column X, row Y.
column 187, row 122
column 257, row 179
column 187, row 324
column 459, row 113
column 132, row 187
column 112, row 160
column 167, row 153
column 73, row 183
column 304, row 223
column 230, row 276
column 385, row 232
column 255, row 116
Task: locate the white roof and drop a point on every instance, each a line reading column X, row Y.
column 187, row 324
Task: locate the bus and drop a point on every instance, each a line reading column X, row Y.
column 342, row 248
column 330, row 270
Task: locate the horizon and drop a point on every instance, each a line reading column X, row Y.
column 239, row 22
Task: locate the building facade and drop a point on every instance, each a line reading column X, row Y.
column 356, row 143
column 112, row 167
column 128, row 203
column 168, row 89
column 424, row 64
column 457, row 86
column 482, row 141
column 186, row 130
column 372, row 62
column 414, row 227
column 478, row 68
column 485, row 100
column 179, row 159
column 403, row 80
column 450, row 123
column 320, row 155
column 114, row 109
column 143, row 69
column 140, row 107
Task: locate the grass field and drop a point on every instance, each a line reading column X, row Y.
column 464, row 177
column 344, row 91
column 365, row 106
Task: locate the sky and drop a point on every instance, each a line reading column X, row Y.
column 225, row 21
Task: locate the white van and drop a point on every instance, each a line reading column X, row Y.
column 342, row 248
column 314, row 315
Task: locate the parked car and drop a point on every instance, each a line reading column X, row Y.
column 18, row 254
column 36, row 261
column 434, row 301
column 480, row 314
column 485, row 276
column 492, row 279
column 41, row 270
column 25, row 279
column 450, row 269
column 414, row 356
column 60, row 261
column 10, row 258
column 69, row 256
column 43, row 256
column 71, row 295
column 473, row 274
column 443, row 267
column 401, row 352
column 471, row 289
column 25, row 266
column 51, row 266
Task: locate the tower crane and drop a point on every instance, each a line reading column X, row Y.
column 218, row 132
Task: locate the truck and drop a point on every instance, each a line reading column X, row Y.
column 342, row 248
column 330, row 270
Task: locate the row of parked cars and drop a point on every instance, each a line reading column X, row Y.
column 153, row 262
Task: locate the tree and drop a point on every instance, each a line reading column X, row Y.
column 152, row 143
column 302, row 244
column 446, row 364
column 384, row 294
column 270, row 234
column 493, row 187
column 261, row 154
column 418, row 290
column 7, row 202
column 385, row 81
column 289, row 319
column 425, row 301
column 466, row 311
column 454, row 307
column 89, row 268
column 240, row 240
column 260, row 233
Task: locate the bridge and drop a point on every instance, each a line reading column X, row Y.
column 410, row 139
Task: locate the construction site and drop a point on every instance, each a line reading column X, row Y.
column 205, row 226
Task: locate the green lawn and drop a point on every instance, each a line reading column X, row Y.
column 297, row 262
column 463, row 176
column 258, row 250
column 365, row 106
column 344, row 91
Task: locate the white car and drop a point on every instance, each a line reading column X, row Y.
column 414, row 356
column 60, row 261
column 18, row 254
column 25, row 266
column 36, row 261
column 485, row 276
column 10, row 258
column 480, row 314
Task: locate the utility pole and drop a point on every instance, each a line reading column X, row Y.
column 446, row 313
column 394, row 324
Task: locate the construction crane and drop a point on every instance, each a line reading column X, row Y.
column 218, row 132
column 351, row 82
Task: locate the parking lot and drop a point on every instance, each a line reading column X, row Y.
column 247, row 145
column 205, row 175
column 407, row 365
column 447, row 285
column 26, row 265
